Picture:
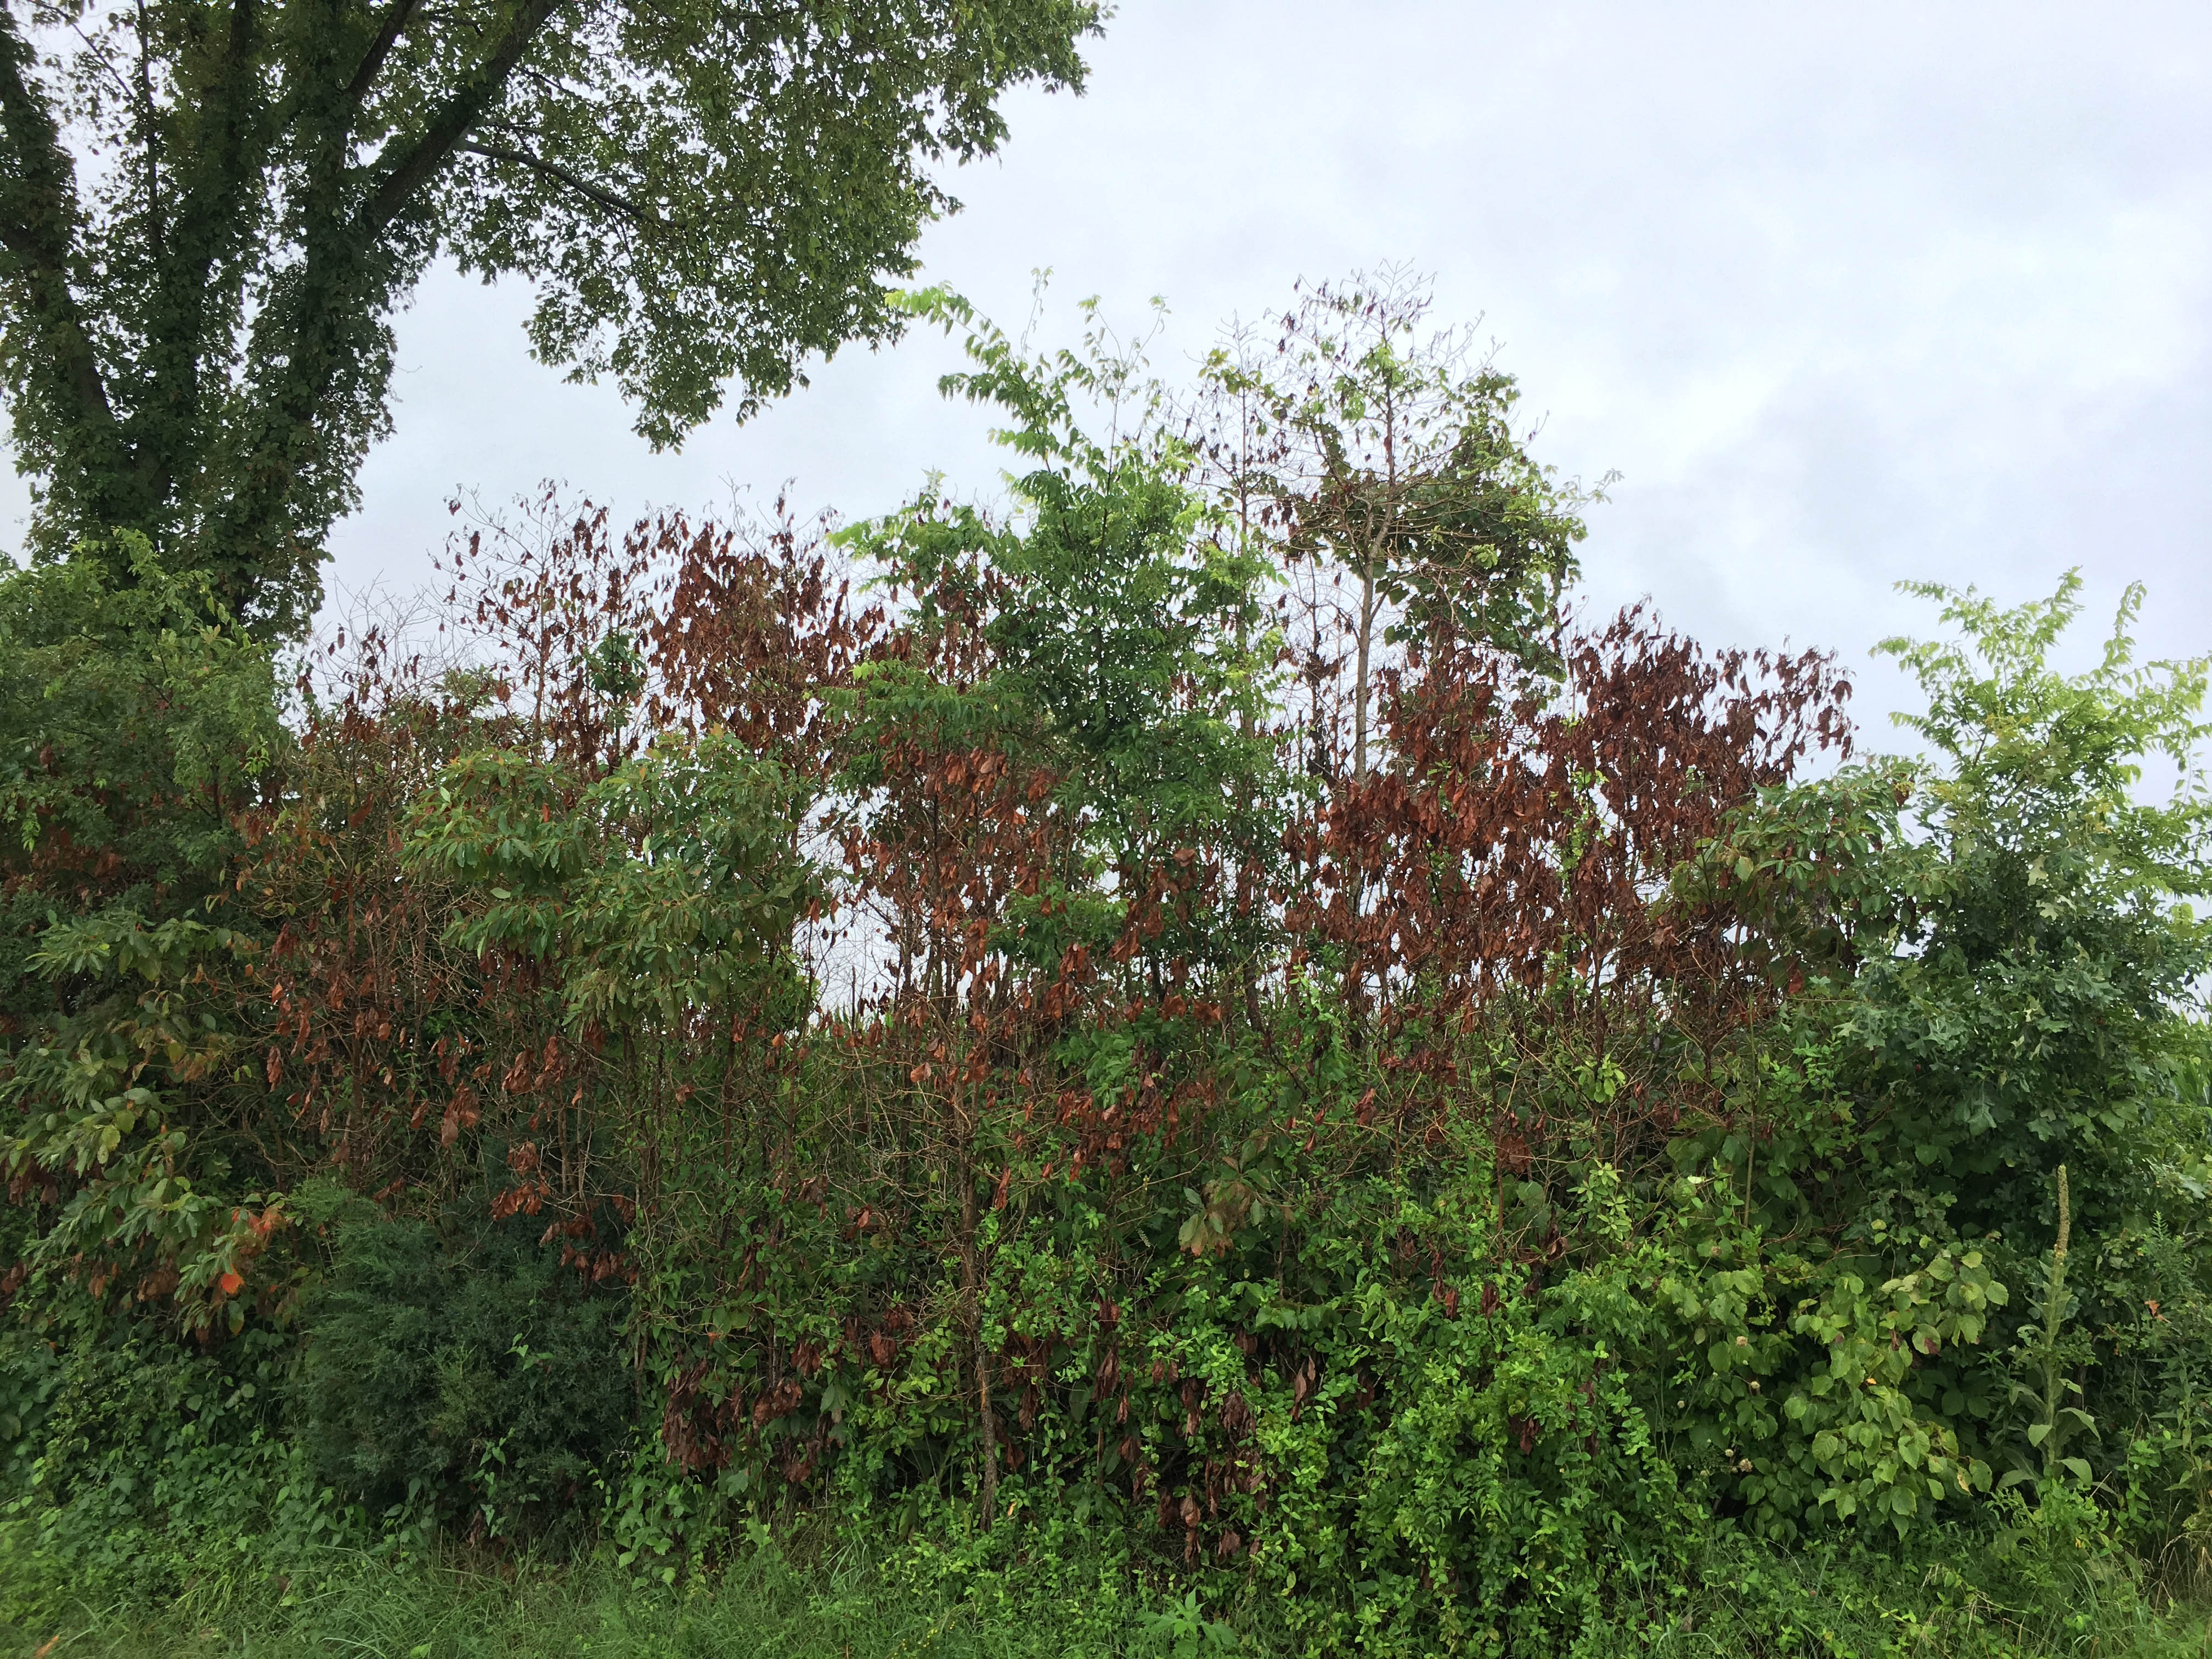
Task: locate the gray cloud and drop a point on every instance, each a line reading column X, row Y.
column 1847, row 294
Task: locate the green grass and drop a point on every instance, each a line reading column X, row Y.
column 454, row 1611
column 1979, row 1601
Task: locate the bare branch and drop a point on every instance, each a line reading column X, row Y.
column 575, row 181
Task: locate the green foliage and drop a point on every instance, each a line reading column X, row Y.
column 1386, row 450
column 214, row 211
column 670, row 885
column 2041, row 1003
column 1184, row 1631
column 1415, row 480
column 469, row 1378
column 141, row 1467
column 136, row 721
column 141, row 732
column 1127, row 659
column 1565, row 1186
column 1998, row 978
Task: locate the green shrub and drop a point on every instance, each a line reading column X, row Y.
column 459, row 1370
column 141, row 1464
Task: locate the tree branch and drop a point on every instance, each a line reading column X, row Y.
column 396, row 14
column 575, row 181
column 211, row 183
column 38, row 207
column 157, row 231
column 337, row 284
column 407, row 172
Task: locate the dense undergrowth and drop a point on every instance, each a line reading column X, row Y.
column 1084, row 1095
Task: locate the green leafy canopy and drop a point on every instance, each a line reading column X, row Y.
column 210, row 209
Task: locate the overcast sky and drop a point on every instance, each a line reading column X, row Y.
column 1846, row 294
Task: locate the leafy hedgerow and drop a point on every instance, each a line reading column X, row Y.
column 1009, row 1064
